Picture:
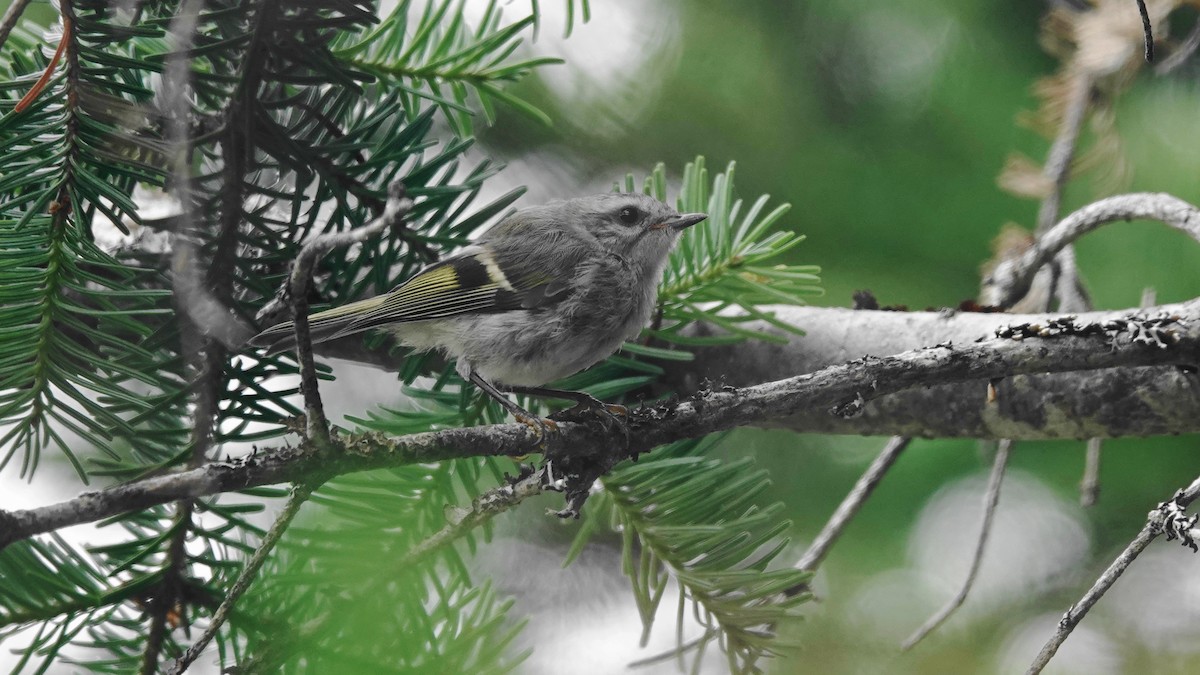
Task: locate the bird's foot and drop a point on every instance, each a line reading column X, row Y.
column 543, row 427
column 611, row 415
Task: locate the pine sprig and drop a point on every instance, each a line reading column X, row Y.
column 722, row 270
column 289, row 134
column 342, row 568
column 435, row 56
column 692, row 520
column 721, row 273
column 75, row 317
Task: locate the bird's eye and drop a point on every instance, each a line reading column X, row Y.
column 629, row 215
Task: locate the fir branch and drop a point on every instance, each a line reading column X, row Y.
column 82, row 340
column 398, row 206
column 441, row 60
column 695, row 521
column 300, row 494
column 722, row 264
column 1129, row 339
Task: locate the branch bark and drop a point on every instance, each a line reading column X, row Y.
column 577, row 449
column 1104, row 402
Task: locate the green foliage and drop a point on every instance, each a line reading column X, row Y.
column 300, row 115
column 693, row 519
column 78, row 325
column 686, row 517
column 290, row 137
column 720, row 266
column 439, row 59
column 372, row 609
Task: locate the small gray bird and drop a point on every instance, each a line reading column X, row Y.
column 547, row 292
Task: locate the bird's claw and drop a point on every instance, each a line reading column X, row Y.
column 543, row 427
column 610, row 414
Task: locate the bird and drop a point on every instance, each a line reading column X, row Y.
column 548, row 291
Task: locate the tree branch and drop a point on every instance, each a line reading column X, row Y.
column 1012, row 278
column 991, row 498
column 1102, row 402
column 1134, row 340
column 398, row 205
column 1169, row 519
column 300, row 494
column 11, row 16
column 849, row 507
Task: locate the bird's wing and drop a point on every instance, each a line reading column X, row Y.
column 471, row 282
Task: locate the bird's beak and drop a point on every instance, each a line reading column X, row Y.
column 681, row 222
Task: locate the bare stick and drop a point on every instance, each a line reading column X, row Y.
column 1089, row 485
column 990, row 499
column 203, row 312
column 483, row 508
column 850, row 507
column 11, row 16
column 1147, row 32
column 398, row 205
column 1166, row 518
column 300, row 494
column 1058, row 160
column 1013, row 277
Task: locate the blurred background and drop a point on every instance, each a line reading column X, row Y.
column 885, row 124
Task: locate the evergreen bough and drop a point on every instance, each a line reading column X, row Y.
column 299, row 113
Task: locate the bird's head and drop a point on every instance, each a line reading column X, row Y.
column 635, row 226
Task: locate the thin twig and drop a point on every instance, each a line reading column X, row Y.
column 204, row 358
column 483, row 508
column 1103, row 343
column 1182, row 53
column 1058, row 159
column 1013, row 277
column 1157, row 521
column 849, row 508
column 990, row 499
column 1065, row 287
column 398, row 205
column 11, row 16
column 1089, row 485
column 300, row 494
column 1147, row 32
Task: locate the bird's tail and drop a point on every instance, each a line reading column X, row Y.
column 323, row 326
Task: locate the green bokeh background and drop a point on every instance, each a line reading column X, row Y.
column 897, row 193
